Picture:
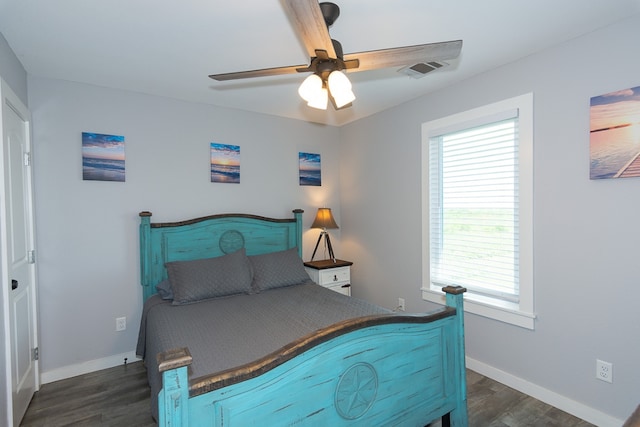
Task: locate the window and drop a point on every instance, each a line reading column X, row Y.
column 477, row 209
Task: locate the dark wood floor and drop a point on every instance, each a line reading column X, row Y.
column 112, row 397
column 120, row 397
column 492, row 404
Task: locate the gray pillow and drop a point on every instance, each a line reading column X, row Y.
column 164, row 289
column 199, row 279
column 277, row 269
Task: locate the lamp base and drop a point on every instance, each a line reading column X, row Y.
column 327, row 244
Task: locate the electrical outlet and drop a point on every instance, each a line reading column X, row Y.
column 401, row 306
column 604, row 371
column 121, row 324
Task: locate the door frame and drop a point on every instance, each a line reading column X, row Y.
column 7, row 96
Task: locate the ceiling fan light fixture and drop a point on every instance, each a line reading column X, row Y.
column 340, row 88
column 319, row 100
column 311, row 20
column 310, row 87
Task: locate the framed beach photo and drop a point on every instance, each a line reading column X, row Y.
column 614, row 142
column 102, row 157
column 225, row 163
column 310, row 172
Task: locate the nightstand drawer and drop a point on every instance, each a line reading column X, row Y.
column 334, row 275
column 344, row 289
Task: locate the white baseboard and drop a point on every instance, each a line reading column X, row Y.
column 86, row 367
column 552, row 398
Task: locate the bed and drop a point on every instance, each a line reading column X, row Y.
column 262, row 343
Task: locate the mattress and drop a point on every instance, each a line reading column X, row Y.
column 223, row 333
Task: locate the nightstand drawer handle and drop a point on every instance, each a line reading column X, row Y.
column 335, row 277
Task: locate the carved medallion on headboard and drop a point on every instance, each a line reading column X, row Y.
column 231, row 241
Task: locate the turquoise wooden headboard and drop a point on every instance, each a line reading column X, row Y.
column 211, row 236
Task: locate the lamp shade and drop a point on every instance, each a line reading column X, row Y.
column 310, row 87
column 312, row 91
column 340, row 88
column 324, row 219
column 319, row 100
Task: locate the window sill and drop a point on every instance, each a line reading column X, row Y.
column 491, row 308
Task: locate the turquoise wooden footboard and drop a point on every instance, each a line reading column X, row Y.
column 375, row 371
column 381, row 370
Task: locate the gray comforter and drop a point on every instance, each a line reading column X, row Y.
column 223, row 333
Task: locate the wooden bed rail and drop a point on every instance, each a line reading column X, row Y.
column 177, row 389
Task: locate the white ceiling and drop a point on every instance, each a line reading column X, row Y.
column 168, row 48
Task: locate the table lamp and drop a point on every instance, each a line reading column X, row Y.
column 324, row 220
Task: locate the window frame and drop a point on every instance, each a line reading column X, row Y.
column 517, row 313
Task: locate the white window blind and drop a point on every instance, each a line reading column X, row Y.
column 477, row 209
column 474, row 208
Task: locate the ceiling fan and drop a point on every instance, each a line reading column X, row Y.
column 327, row 61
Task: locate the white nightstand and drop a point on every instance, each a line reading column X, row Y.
column 333, row 275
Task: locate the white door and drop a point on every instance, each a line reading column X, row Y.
column 17, row 226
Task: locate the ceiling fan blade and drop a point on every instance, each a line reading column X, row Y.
column 265, row 72
column 308, row 22
column 406, row 55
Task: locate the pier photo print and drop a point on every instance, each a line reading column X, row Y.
column 615, row 134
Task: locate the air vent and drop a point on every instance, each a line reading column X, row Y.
column 420, row 69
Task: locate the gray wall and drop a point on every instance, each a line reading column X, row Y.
column 586, row 257
column 12, row 70
column 88, row 230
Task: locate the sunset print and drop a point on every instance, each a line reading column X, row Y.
column 309, row 166
column 615, row 134
column 225, row 163
column 102, row 157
